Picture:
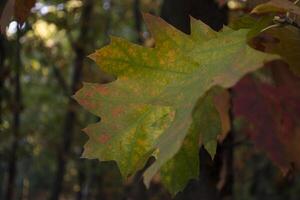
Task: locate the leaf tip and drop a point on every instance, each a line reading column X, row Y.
column 84, row 130
column 153, row 22
column 147, row 16
column 147, row 182
column 92, row 56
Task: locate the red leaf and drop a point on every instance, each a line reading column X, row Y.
column 273, row 114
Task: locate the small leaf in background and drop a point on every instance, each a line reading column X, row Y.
column 286, row 43
column 221, row 99
column 282, row 40
column 255, row 24
column 153, row 106
column 277, row 6
column 212, row 116
column 271, row 110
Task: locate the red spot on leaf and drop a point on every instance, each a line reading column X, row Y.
column 104, row 138
column 117, row 111
column 102, row 89
column 89, row 93
column 87, row 104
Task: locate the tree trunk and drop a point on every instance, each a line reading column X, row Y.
column 12, row 166
column 2, row 77
column 138, row 21
column 70, row 118
column 2, row 57
column 81, row 180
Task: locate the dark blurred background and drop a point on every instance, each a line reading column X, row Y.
column 44, row 61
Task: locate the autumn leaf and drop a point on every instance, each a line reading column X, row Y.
column 255, row 24
column 210, row 123
column 278, row 6
column 222, row 60
column 284, row 41
column 152, row 107
column 221, row 102
column 281, row 40
column 271, row 111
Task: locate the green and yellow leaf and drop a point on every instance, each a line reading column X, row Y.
column 157, row 104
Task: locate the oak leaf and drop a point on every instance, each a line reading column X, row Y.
column 152, row 109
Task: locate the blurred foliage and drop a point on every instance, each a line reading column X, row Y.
column 47, row 39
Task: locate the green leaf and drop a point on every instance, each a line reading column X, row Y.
column 213, row 118
column 255, row 24
column 149, row 109
column 210, row 121
column 127, row 131
column 184, row 166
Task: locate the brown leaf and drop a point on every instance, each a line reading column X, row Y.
column 222, row 103
column 286, row 44
column 279, row 6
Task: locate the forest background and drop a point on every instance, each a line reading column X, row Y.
column 44, row 61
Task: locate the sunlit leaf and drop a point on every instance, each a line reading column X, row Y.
column 150, row 109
